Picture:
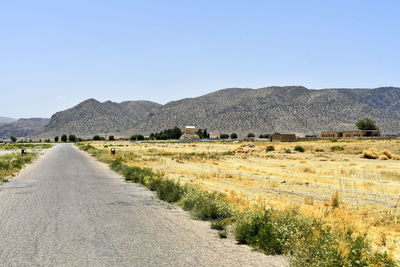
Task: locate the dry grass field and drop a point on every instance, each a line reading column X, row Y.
column 329, row 180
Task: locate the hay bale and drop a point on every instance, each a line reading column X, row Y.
column 383, row 157
column 370, row 154
column 387, row 153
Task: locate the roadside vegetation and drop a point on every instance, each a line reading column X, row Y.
column 12, row 163
column 24, row 146
column 305, row 240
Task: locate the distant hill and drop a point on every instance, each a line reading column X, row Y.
column 294, row 109
column 6, row 120
column 94, row 117
column 289, row 109
column 23, row 127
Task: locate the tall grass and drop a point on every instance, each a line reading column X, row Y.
column 24, row 146
column 11, row 163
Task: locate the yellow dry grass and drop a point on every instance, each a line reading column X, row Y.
column 340, row 186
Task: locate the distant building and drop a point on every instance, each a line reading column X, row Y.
column 282, row 137
column 351, row 134
column 189, row 134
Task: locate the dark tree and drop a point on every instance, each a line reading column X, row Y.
column 13, row 139
column 203, row 134
column 264, row 136
column 174, row 133
column 234, row 136
column 137, row 137
column 72, row 138
column 56, row 139
column 224, row 136
column 96, row 137
column 64, row 138
column 250, row 135
column 367, row 124
column 111, row 138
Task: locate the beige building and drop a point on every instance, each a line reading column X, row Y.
column 351, row 134
column 189, row 134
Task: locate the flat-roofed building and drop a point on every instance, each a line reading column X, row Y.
column 350, row 134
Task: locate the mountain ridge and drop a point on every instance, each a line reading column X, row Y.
column 290, row 109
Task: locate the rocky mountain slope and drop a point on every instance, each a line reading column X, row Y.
column 93, row 117
column 292, row 109
column 23, row 127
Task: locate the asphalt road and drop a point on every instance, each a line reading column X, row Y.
column 67, row 209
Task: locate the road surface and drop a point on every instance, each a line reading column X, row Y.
column 67, row 209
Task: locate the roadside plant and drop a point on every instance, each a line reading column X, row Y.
column 64, row 138
column 299, row 149
column 270, row 148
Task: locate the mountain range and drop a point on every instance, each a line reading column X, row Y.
column 290, row 109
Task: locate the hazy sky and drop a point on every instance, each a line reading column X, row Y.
column 54, row 54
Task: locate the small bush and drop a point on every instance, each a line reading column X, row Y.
column 223, row 234
column 170, row 191
column 299, row 149
column 270, row 148
column 319, row 150
column 287, row 151
column 219, row 224
column 257, row 230
column 206, row 206
column 337, row 148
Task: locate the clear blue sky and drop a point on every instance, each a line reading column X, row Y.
column 54, row 54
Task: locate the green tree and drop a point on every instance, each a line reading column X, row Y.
column 56, row 139
column 111, row 138
column 137, row 137
column 250, row 135
column 224, row 136
column 366, row 124
column 96, row 137
column 72, row 138
column 174, row 133
column 13, row 139
column 234, row 136
column 64, row 138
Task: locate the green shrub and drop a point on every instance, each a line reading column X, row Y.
column 206, row 206
column 234, row 136
column 269, row 148
column 170, row 190
column 337, row 148
column 257, row 230
column 222, row 234
column 250, row 135
column 137, row 174
column 319, row 150
column 287, row 151
column 219, row 224
column 299, row 149
column 224, row 136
